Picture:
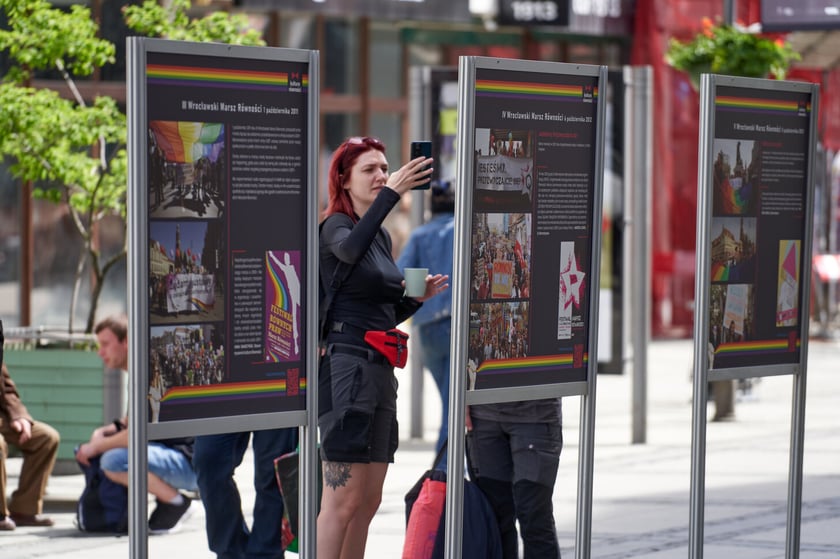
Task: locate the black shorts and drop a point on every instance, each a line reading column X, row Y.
column 357, row 406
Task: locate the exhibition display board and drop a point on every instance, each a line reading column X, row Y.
column 530, row 151
column 226, row 143
column 754, row 237
column 222, row 237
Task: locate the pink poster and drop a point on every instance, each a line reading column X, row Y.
column 282, row 306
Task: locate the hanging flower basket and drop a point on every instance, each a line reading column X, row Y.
column 730, row 50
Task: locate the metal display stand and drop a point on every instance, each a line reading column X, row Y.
column 747, row 126
column 196, row 95
column 552, row 89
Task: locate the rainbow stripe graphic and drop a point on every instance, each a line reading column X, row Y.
column 166, row 74
column 532, row 91
column 529, row 364
column 229, row 391
column 281, row 296
column 764, row 106
column 755, row 347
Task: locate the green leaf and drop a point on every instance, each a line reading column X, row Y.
column 55, row 142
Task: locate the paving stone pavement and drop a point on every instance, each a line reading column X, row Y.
column 640, row 506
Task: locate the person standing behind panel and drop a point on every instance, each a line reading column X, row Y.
column 515, row 453
column 430, row 246
column 215, row 460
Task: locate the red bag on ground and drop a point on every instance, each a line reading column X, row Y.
column 422, row 529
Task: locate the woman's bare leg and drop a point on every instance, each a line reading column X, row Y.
column 350, row 498
column 356, row 536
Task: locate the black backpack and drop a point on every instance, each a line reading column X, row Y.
column 103, row 506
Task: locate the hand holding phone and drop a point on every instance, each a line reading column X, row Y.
column 422, row 149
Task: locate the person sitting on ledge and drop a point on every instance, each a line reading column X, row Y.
column 38, row 442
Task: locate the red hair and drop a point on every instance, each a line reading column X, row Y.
column 343, row 159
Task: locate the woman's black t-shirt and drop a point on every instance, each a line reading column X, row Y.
column 371, row 298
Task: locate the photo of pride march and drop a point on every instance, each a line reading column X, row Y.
column 186, row 169
column 497, row 331
column 186, row 271
column 504, row 170
column 501, row 259
column 183, row 356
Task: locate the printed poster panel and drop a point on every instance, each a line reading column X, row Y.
column 759, row 186
column 227, row 160
column 532, row 201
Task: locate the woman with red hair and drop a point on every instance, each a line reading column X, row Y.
column 357, row 389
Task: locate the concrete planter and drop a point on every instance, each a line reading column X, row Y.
column 63, row 387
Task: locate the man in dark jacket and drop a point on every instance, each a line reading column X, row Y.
column 38, row 442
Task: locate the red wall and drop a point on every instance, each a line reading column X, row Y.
column 676, row 115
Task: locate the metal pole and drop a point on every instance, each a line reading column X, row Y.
column 454, row 519
column 416, row 354
column 420, row 125
column 586, row 453
column 797, row 442
column 797, row 450
column 639, row 161
column 138, row 302
column 730, row 10
column 701, row 330
column 308, row 495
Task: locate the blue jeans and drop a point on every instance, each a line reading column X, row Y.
column 168, row 464
column 435, row 338
column 215, row 459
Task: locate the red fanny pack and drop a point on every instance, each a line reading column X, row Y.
column 393, row 344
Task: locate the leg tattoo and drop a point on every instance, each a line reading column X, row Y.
column 336, row 474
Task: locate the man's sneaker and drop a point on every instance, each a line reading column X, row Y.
column 167, row 518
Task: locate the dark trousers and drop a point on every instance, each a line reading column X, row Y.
column 435, row 338
column 515, row 465
column 215, row 459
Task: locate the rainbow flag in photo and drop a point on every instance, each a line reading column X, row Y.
column 201, row 306
column 720, row 272
column 756, row 105
column 186, row 142
column 171, row 74
column 541, row 91
column 529, row 364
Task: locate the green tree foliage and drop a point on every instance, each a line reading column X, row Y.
column 74, row 151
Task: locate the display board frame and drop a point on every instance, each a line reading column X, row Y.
column 563, row 364
column 526, row 93
column 260, row 106
column 188, row 98
column 768, row 195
